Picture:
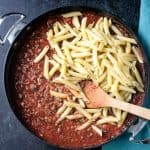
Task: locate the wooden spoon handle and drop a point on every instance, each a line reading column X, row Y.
column 131, row 108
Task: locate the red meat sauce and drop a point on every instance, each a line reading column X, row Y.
column 37, row 107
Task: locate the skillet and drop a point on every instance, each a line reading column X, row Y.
column 27, row 29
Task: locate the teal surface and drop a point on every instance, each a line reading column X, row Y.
column 122, row 143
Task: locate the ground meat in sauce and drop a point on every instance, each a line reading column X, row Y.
column 38, row 108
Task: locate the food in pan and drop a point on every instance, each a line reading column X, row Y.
column 75, row 47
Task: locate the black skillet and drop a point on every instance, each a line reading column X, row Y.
column 15, row 37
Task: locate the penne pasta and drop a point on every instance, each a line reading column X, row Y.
column 53, row 70
column 72, row 14
column 126, row 39
column 42, row 54
column 98, row 52
column 57, row 94
column 85, row 125
column 108, row 119
column 63, row 115
column 75, row 22
column 97, row 130
column 80, row 109
column 76, row 116
column 61, row 109
column 46, row 68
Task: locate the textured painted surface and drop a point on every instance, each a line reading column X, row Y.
column 13, row 136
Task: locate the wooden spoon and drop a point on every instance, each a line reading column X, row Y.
column 99, row 98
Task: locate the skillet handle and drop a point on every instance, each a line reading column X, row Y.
column 15, row 27
column 136, row 129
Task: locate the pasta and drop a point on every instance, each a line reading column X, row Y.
column 97, row 130
column 57, row 94
column 72, row 14
column 99, row 52
column 42, row 54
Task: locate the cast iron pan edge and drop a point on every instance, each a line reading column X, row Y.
column 11, row 52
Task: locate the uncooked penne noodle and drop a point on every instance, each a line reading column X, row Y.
column 80, row 54
column 105, row 112
column 85, row 125
column 75, row 116
column 53, row 70
column 80, row 68
column 87, row 65
column 99, row 36
column 108, row 119
column 90, row 25
column 76, row 40
column 111, row 58
column 97, row 130
column 63, row 115
column 126, row 39
column 92, row 34
column 61, row 33
column 75, row 48
column 137, row 54
column 87, row 44
column 129, row 97
column 61, row 109
column 126, row 88
column 123, row 117
column 98, row 23
column 59, row 52
column 76, row 74
column 116, row 30
column 75, row 22
column 50, row 34
column 96, row 115
column 118, row 114
column 42, row 54
column 53, row 62
column 67, row 53
column 55, row 28
column 80, row 109
column 58, row 94
column 46, row 68
column 67, row 83
column 63, row 69
column 85, row 99
column 58, row 59
column 101, row 46
column 106, row 25
column 70, row 29
column 82, row 104
column 72, row 14
column 75, row 93
column 83, row 23
column 94, row 110
column 128, row 48
column 137, row 75
column 102, row 77
column 109, row 22
column 109, row 80
column 60, row 26
column 63, row 37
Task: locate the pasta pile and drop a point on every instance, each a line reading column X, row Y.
column 97, row 52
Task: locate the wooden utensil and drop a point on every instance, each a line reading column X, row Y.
column 98, row 98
